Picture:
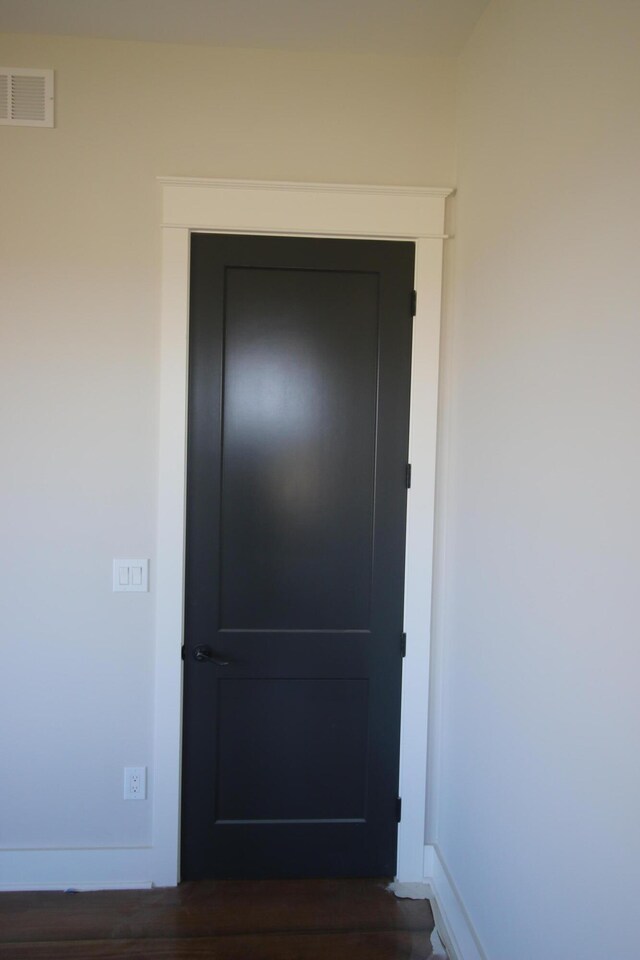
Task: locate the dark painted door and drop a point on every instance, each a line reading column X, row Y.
column 298, row 432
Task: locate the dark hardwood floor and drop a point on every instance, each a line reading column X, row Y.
column 224, row 920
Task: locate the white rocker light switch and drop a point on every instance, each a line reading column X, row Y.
column 131, row 575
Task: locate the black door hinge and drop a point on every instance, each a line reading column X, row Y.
column 403, row 645
column 182, row 651
column 414, row 303
column 398, row 809
column 408, row 475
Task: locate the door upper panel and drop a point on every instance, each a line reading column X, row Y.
column 297, row 485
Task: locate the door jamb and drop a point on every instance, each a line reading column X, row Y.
column 294, row 209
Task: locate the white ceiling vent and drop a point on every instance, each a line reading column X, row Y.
column 26, row 97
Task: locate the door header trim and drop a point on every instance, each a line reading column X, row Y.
column 309, row 187
column 263, row 206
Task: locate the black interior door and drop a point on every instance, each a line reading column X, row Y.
column 297, row 448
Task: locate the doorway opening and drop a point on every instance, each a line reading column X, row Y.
column 390, row 213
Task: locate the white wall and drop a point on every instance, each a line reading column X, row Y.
column 537, row 798
column 79, row 322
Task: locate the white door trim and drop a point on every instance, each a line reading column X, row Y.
column 339, row 210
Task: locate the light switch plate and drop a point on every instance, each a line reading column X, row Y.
column 131, row 576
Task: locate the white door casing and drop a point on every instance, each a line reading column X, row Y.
column 295, row 209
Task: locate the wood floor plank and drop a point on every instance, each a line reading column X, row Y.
column 382, row 945
column 210, row 909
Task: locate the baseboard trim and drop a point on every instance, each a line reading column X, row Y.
column 124, row 868
column 82, row 886
column 453, row 922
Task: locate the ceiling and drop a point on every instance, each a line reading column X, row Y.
column 405, row 27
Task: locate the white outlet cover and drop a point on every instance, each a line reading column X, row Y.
column 135, row 783
column 131, row 576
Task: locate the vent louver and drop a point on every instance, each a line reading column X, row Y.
column 26, row 97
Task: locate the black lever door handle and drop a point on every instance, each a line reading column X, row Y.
column 204, row 654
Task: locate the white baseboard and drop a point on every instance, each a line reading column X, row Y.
column 452, row 919
column 81, row 886
column 108, row 868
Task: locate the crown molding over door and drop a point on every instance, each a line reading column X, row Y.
column 331, row 210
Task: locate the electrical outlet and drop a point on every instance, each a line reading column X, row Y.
column 135, row 783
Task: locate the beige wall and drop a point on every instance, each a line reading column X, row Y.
column 79, row 296
column 537, row 789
